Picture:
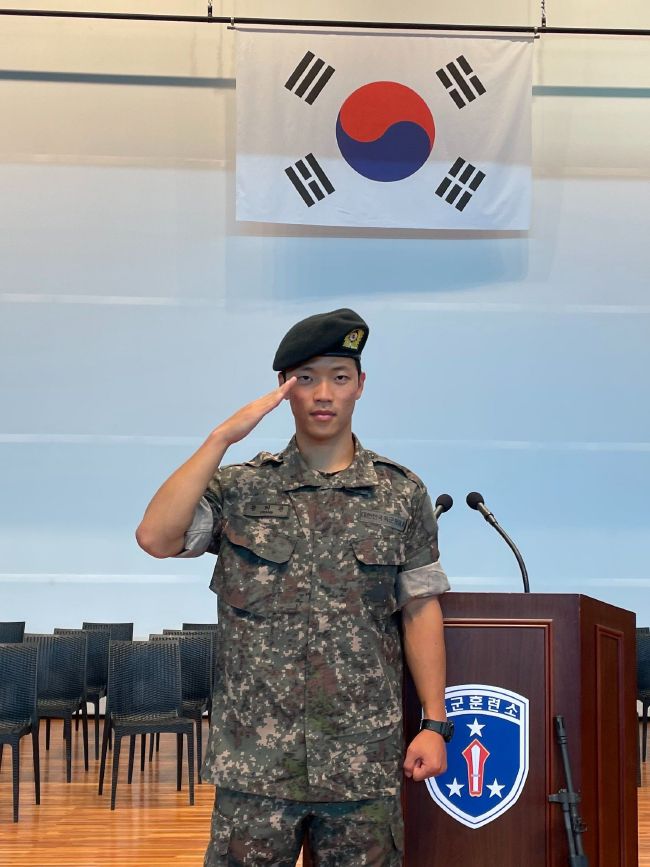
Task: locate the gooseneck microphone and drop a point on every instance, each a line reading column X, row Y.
column 443, row 504
column 475, row 501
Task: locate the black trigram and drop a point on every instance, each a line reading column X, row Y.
column 312, row 73
column 309, row 180
column 466, row 182
column 457, row 77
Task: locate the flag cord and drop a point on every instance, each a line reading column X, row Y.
column 233, row 21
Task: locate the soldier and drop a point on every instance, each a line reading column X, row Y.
column 321, row 550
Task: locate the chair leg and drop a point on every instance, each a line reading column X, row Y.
column 129, row 776
column 152, row 738
column 116, row 766
column 638, row 758
column 190, row 763
column 96, row 713
column 157, row 741
column 644, row 741
column 199, row 747
column 67, row 734
column 143, row 750
column 102, row 765
column 179, row 761
column 15, row 767
column 76, row 719
column 47, row 733
column 37, row 764
column 84, row 731
column 1, row 748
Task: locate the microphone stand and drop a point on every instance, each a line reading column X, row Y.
column 515, row 551
column 475, row 501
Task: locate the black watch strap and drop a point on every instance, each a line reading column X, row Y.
column 446, row 729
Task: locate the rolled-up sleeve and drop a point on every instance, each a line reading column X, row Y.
column 421, row 573
column 199, row 534
column 429, row 580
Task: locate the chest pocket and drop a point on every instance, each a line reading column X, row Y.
column 252, row 559
column 378, row 561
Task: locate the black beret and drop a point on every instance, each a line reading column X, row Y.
column 339, row 332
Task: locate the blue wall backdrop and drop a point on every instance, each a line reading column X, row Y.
column 135, row 314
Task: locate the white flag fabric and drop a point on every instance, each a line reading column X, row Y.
column 383, row 130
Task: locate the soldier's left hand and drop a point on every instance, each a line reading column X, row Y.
column 426, row 756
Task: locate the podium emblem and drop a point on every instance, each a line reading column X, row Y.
column 487, row 760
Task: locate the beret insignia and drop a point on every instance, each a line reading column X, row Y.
column 353, row 339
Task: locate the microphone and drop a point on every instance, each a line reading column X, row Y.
column 443, row 504
column 475, row 501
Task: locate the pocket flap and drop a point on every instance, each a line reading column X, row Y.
column 379, row 552
column 245, row 534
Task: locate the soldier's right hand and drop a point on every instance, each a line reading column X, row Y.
column 245, row 419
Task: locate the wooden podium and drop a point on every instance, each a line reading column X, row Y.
column 569, row 655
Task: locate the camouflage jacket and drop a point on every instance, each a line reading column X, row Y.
column 312, row 570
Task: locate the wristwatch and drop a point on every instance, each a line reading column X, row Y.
column 446, row 729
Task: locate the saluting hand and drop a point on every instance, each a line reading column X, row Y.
column 245, row 419
column 426, row 756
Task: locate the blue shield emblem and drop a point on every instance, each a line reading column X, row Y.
column 487, row 759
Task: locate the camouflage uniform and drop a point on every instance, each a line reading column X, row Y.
column 252, row 829
column 311, row 570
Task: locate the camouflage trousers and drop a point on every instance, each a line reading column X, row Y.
column 254, row 830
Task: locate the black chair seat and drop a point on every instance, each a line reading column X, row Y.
column 194, row 707
column 18, row 715
column 145, row 696
column 643, row 690
column 56, row 707
column 144, row 723
column 61, row 665
column 13, row 729
column 99, row 636
column 197, row 650
column 97, row 641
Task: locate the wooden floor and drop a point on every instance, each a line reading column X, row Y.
column 644, row 817
column 152, row 824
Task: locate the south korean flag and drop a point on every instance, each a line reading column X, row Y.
column 385, row 130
